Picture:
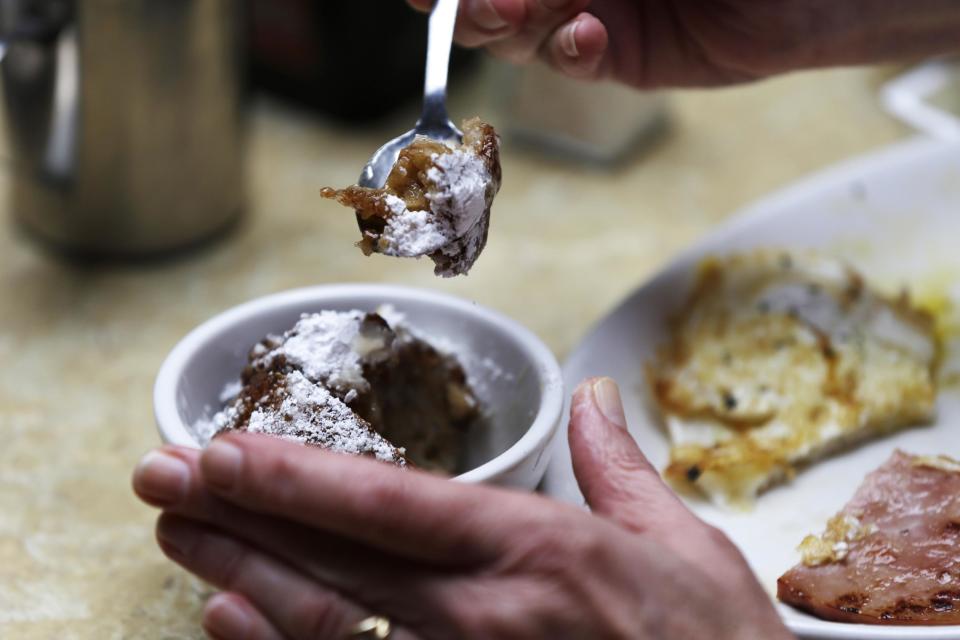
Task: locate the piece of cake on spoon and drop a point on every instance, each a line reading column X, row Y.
column 436, row 201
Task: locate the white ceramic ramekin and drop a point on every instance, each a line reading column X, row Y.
column 514, row 373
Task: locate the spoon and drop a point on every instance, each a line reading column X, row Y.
column 434, row 122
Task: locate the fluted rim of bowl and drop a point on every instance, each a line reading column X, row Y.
column 538, row 435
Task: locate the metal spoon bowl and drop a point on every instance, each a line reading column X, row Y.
column 434, row 122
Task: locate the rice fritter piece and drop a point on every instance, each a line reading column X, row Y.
column 779, row 359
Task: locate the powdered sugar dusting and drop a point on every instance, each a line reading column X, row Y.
column 309, row 413
column 461, row 180
column 321, row 345
column 231, row 389
column 459, row 194
column 409, row 234
column 205, row 429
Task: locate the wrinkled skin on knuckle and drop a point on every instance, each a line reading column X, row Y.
column 727, row 553
column 536, row 537
column 279, row 483
column 719, row 540
column 563, row 576
column 471, row 541
column 475, row 618
column 711, row 551
column 430, row 621
column 748, row 40
column 525, row 607
column 449, row 609
column 623, row 473
column 565, row 544
column 385, row 504
column 382, row 494
column 319, row 615
column 232, row 565
column 510, row 52
column 510, row 608
column 627, row 463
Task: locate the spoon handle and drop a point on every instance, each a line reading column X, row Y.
column 443, row 19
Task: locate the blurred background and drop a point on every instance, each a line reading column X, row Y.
column 161, row 160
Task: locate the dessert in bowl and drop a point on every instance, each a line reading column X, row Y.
column 494, row 373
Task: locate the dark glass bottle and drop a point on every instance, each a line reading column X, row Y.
column 354, row 60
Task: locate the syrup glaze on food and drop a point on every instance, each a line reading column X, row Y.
column 892, row 555
column 779, row 359
column 436, row 201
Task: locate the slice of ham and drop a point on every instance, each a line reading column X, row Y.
column 892, row 556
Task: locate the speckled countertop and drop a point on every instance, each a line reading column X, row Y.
column 79, row 347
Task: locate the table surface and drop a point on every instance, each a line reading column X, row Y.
column 81, row 345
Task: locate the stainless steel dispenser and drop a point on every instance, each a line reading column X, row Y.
column 122, row 120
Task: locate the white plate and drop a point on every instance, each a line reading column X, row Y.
column 895, row 215
column 910, row 97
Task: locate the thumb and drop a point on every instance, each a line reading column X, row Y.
column 616, row 479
